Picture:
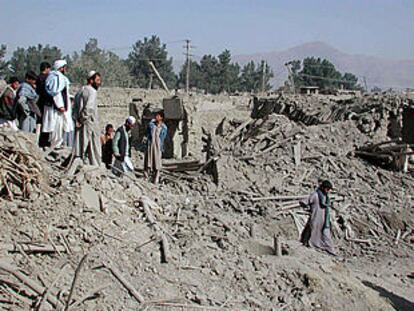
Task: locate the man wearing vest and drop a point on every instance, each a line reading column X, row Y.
column 122, row 148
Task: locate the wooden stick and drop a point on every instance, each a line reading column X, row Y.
column 47, row 291
column 117, row 274
column 30, row 248
column 277, row 246
column 166, row 255
column 75, row 278
column 89, row 294
column 397, row 238
column 33, row 285
column 238, row 130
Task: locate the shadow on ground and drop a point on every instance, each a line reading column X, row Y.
column 399, row 303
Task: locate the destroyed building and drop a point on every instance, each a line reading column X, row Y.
column 91, row 241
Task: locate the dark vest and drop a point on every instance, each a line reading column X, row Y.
column 122, row 143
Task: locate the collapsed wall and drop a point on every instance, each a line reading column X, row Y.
column 372, row 113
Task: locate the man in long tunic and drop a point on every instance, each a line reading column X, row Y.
column 7, row 105
column 156, row 134
column 87, row 146
column 26, row 104
column 317, row 231
column 121, row 148
column 57, row 119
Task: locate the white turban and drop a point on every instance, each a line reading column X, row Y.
column 91, row 74
column 59, row 64
column 131, row 120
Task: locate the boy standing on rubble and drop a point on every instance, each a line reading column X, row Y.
column 156, row 134
column 317, row 231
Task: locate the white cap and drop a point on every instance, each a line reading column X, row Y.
column 59, row 64
column 131, row 120
column 91, row 74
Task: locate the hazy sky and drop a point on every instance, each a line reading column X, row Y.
column 374, row 27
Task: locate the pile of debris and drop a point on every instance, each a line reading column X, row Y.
column 392, row 154
column 21, row 166
column 221, row 242
column 289, row 159
column 372, row 113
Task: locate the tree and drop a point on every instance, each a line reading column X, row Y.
column 3, row 62
column 228, row 73
column 113, row 69
column 24, row 60
column 322, row 73
column 209, row 68
column 265, row 73
column 251, row 78
column 151, row 49
column 195, row 75
column 350, row 81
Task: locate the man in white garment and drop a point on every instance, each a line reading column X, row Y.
column 57, row 118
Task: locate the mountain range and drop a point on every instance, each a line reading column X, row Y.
column 377, row 71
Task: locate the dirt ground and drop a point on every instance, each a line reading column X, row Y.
column 194, row 244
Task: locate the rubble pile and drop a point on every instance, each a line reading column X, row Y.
column 371, row 112
column 289, row 159
column 225, row 241
column 21, row 167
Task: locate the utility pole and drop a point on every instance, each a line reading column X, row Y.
column 290, row 77
column 365, row 83
column 188, row 60
column 264, row 68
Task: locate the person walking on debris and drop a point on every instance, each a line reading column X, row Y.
column 26, row 104
column 7, row 105
column 122, row 149
column 86, row 144
column 57, row 118
column 106, row 144
column 156, row 134
column 317, row 231
column 44, row 100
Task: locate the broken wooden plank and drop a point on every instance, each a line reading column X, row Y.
column 297, row 153
column 33, row 285
column 34, row 248
column 118, row 275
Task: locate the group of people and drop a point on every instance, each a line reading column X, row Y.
column 42, row 104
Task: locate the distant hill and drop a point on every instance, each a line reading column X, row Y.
column 380, row 72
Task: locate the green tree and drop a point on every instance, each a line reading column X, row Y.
column 251, row 78
column 210, row 68
column 195, row 75
column 228, row 73
column 3, row 62
column 113, row 69
column 266, row 74
column 151, row 49
column 24, row 60
column 322, row 73
column 350, row 81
